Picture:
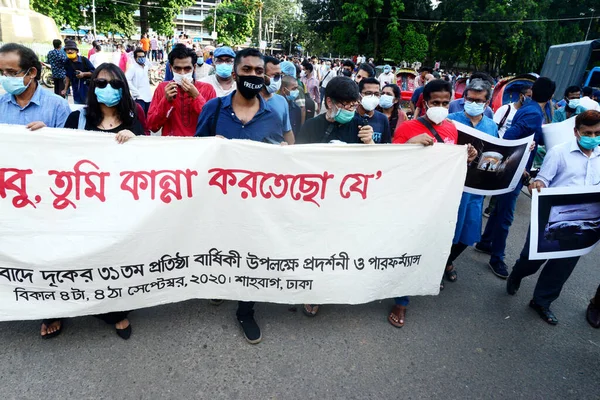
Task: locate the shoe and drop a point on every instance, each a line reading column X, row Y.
column 593, row 315
column 499, row 269
column 216, row 302
column 487, row 212
column 250, row 329
column 544, row 313
column 480, row 247
column 512, row 285
column 125, row 333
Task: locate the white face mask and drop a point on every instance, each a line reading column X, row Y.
column 437, row 115
column 178, row 78
column 370, row 102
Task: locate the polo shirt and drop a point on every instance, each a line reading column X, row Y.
column 44, row 106
column 265, row 124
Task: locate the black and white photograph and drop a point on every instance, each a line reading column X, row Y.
column 564, row 223
column 499, row 165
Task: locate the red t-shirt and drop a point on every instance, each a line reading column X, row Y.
column 410, row 129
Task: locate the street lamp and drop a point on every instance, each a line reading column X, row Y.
column 590, row 24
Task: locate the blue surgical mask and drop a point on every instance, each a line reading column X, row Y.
column 386, row 70
column 108, row 95
column 293, row 95
column 344, row 116
column 224, row 70
column 589, row 143
column 274, row 85
column 386, row 101
column 141, row 60
column 474, row 109
column 15, row 85
column 574, row 103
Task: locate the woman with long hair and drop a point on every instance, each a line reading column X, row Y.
column 389, row 104
column 111, row 109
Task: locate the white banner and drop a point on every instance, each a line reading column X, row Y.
column 565, row 222
column 88, row 226
column 499, row 165
column 558, row 133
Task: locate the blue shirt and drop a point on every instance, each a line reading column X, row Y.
column 279, row 105
column 44, row 106
column 561, row 114
column 415, row 96
column 527, row 121
column 457, row 106
column 468, row 224
column 566, row 165
column 265, row 124
column 80, row 86
column 380, row 124
column 57, row 59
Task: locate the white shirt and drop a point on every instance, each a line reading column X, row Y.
column 499, row 115
column 203, row 70
column 97, row 58
column 566, row 165
column 589, row 104
column 139, row 82
column 385, row 79
column 212, row 80
column 327, row 76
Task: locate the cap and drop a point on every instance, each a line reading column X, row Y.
column 71, row 45
column 224, row 51
column 288, row 68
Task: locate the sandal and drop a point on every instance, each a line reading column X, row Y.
column 544, row 313
column 310, row 310
column 47, row 323
column 442, row 285
column 450, row 274
column 397, row 316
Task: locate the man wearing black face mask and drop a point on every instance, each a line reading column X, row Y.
column 243, row 114
column 347, row 68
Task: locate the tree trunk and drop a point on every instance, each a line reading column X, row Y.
column 376, row 38
column 143, row 17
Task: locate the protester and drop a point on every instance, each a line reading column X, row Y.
column 244, row 114
column 389, row 105
column 575, row 163
column 364, row 71
column 276, row 103
column 78, row 70
column 98, row 57
column 312, row 85
column 468, row 228
column 154, row 48
column 57, row 59
column 387, row 76
column 139, row 81
column 420, row 110
column 586, row 100
column 25, row 101
column 459, row 104
column 504, row 115
column 289, row 69
column 120, row 58
column 527, row 121
column 327, row 74
column 145, row 43
column 433, row 127
column 202, row 69
column 176, row 105
column 572, row 105
column 348, row 69
column 420, row 80
column 367, row 113
column 92, row 50
column 222, row 81
column 289, row 90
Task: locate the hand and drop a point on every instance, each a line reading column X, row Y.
column 532, row 147
column 34, row 126
column 365, row 133
column 171, row 91
column 284, row 143
column 423, row 139
column 471, row 153
column 63, row 92
column 539, row 185
column 190, row 88
column 124, row 136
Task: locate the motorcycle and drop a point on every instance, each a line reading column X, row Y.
column 46, row 77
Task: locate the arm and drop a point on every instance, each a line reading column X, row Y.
column 521, row 126
column 386, row 136
column 288, row 137
column 130, row 75
column 550, row 167
column 62, row 113
column 205, row 121
column 159, row 108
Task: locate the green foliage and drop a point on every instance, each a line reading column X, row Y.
column 235, row 21
column 161, row 19
column 64, row 12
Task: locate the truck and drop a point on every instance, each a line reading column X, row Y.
column 573, row 64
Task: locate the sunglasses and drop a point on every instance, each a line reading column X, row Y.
column 115, row 83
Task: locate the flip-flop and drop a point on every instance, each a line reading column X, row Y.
column 54, row 334
column 399, row 312
column 312, row 313
column 451, row 275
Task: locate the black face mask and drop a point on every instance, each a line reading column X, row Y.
column 347, row 73
column 250, row 86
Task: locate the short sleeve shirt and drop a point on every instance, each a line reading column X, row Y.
column 410, row 129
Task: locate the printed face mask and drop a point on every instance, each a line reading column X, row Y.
column 250, row 86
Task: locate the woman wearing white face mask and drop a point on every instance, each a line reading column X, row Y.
column 389, row 105
column 427, row 130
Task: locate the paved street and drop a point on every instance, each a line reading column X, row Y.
column 471, row 342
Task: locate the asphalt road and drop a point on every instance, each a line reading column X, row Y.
column 471, row 342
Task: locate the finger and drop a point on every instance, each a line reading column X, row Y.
column 30, row 125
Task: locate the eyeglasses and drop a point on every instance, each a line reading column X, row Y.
column 368, row 93
column 219, row 61
column 348, row 106
column 470, row 100
column 115, row 83
column 13, row 74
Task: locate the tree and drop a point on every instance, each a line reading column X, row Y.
column 235, row 21
column 64, row 12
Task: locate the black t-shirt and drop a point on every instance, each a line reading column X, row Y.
column 315, row 131
column 73, row 123
column 380, row 124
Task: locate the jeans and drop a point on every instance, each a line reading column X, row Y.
column 154, row 53
column 402, row 301
column 245, row 309
column 551, row 279
column 499, row 222
column 322, row 92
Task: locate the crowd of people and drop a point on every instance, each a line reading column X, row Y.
column 288, row 100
